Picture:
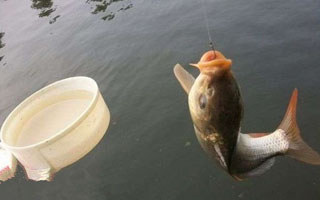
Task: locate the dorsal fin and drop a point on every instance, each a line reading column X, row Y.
column 257, row 135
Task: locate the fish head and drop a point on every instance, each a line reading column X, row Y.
column 212, row 66
column 215, row 107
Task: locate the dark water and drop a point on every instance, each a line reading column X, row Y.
column 129, row 48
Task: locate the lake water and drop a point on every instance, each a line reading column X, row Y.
column 130, row 47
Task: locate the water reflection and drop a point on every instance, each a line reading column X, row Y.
column 1, row 44
column 46, row 9
column 54, row 19
column 101, row 6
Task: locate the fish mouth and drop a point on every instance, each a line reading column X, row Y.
column 213, row 59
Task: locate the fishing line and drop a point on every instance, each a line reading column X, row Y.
column 207, row 26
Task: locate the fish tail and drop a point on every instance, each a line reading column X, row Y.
column 297, row 149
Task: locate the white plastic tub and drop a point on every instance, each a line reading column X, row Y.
column 53, row 128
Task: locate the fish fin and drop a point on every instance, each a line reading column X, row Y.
column 258, row 135
column 298, row 149
column 185, row 79
column 265, row 166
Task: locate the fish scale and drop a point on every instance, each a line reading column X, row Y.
column 254, row 148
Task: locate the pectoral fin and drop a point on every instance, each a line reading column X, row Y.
column 185, row 79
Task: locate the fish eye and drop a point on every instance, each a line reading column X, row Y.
column 202, row 101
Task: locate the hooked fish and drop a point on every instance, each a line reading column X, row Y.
column 216, row 110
